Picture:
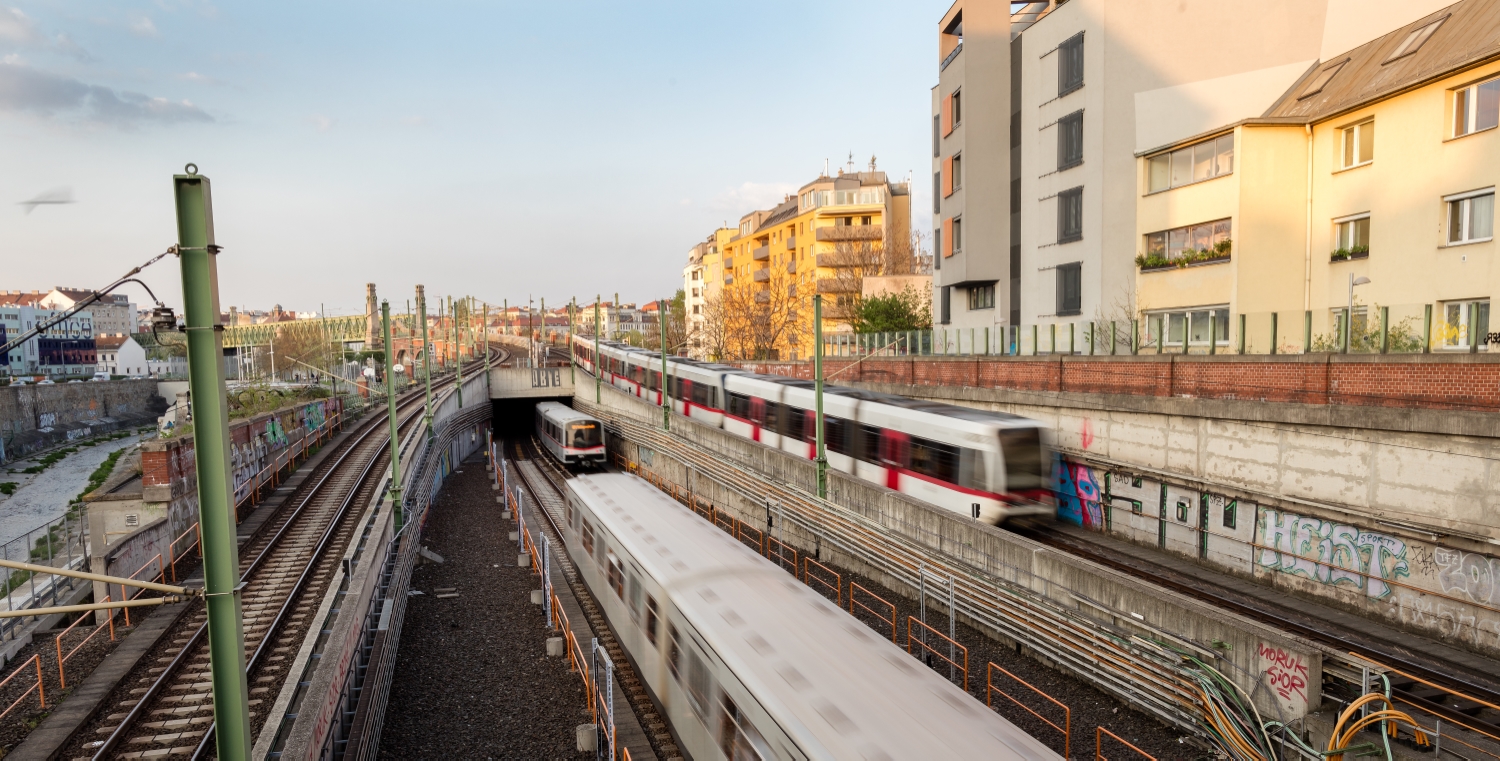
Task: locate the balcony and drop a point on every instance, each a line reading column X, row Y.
column 761, row 254
column 728, row 279
column 791, row 243
column 763, row 297
column 838, row 285
column 791, row 268
column 841, row 233
column 728, row 262
column 762, row 275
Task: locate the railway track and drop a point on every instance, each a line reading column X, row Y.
column 285, row 569
column 543, row 479
column 1452, row 695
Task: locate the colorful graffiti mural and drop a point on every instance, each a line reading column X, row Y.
column 1331, row 553
column 1079, row 498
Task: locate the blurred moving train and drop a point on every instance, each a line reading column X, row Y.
column 747, row 663
column 990, row 466
column 570, row 436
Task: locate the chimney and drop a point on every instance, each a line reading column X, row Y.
column 372, row 318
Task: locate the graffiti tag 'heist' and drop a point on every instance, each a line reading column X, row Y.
column 1332, row 553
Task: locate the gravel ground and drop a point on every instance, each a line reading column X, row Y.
column 472, row 677
column 1090, row 707
column 28, row 714
column 42, row 497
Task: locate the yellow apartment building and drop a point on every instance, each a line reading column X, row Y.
column 824, row 239
column 702, row 282
column 1369, row 184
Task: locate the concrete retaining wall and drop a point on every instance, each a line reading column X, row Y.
column 33, row 418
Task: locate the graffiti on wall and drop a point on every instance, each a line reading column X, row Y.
column 1332, row 553
column 314, row 416
column 1468, row 575
column 276, row 433
column 1286, row 673
column 1078, row 494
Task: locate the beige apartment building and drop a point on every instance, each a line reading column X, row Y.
column 702, row 280
column 1040, row 119
column 1368, row 184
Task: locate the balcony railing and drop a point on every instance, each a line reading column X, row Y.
column 851, row 233
column 728, row 262
column 728, row 279
column 791, row 268
column 791, row 243
column 838, row 285
column 759, row 254
column 762, row 276
column 762, row 297
column 951, row 55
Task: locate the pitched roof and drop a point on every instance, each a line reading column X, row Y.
column 110, row 343
column 21, row 299
column 1467, row 34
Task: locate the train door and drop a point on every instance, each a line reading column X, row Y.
column 895, row 455
column 685, row 396
column 757, row 417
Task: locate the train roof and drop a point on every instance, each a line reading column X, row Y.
column 562, row 413
column 830, row 682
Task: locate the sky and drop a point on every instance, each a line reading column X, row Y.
column 500, row 150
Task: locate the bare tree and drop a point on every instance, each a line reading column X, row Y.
column 856, row 256
column 761, row 319
column 711, row 336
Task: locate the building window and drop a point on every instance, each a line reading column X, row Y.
column 945, row 312
column 957, row 107
column 937, row 246
column 936, row 135
column 1070, row 65
column 1321, row 79
column 1070, row 215
column 1203, row 242
column 1351, row 237
column 958, row 235
column 958, row 170
column 1194, row 325
column 1070, row 140
column 937, row 192
column 1459, row 317
column 1413, row 41
column 1471, row 216
column 1069, row 289
column 1194, row 163
column 1476, row 107
column 1357, row 145
column 982, row 297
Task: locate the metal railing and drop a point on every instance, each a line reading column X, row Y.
column 109, row 621
column 1100, row 732
column 60, row 542
column 1067, row 726
column 41, row 692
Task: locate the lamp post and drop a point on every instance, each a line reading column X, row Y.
column 390, row 406
column 210, row 407
column 822, row 461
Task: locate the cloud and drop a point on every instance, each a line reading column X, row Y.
column 27, row 89
column 750, row 196
column 142, row 26
column 322, row 123
column 200, row 79
column 20, row 30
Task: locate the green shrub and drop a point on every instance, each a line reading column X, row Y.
column 8, row 487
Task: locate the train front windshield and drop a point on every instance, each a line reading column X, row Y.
column 1026, row 466
column 583, row 435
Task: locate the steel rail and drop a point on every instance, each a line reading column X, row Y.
column 347, row 450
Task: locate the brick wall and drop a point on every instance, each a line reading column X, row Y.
column 1435, row 382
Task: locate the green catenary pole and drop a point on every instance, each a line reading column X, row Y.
column 210, row 408
column 666, row 407
column 598, row 361
column 485, row 326
column 458, row 357
column 390, row 407
column 822, row 461
column 572, row 315
column 426, row 354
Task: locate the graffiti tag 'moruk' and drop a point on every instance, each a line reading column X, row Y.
column 1332, row 553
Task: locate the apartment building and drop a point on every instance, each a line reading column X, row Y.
column 702, row 280
column 1040, row 116
column 66, row 348
column 113, row 313
column 823, row 239
column 1369, row 186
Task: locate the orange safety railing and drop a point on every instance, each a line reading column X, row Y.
column 41, row 693
column 853, row 601
column 778, row 551
column 125, row 594
column 808, row 577
column 1099, row 734
column 109, row 621
column 742, row 530
column 172, row 548
column 912, row 639
column 726, row 521
column 990, row 689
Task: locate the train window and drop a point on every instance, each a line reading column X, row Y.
column 585, row 434
column 602, row 550
column 588, row 538
column 835, row 435
column 568, row 512
column 674, row 652
column 869, row 443
column 739, row 405
column 635, row 598
column 773, row 414
column 616, row 574
column 703, row 395
column 651, row 619
column 935, row 459
column 793, row 421
column 971, row 471
column 699, row 685
column 738, row 738
column 1024, row 466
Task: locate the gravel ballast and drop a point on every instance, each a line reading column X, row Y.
column 473, row 680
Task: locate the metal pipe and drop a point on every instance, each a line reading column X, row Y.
column 87, row 607
column 390, row 405
column 151, row 585
column 210, row 407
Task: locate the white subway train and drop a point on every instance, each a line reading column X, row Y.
column 570, row 436
column 989, row 466
column 749, row 664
